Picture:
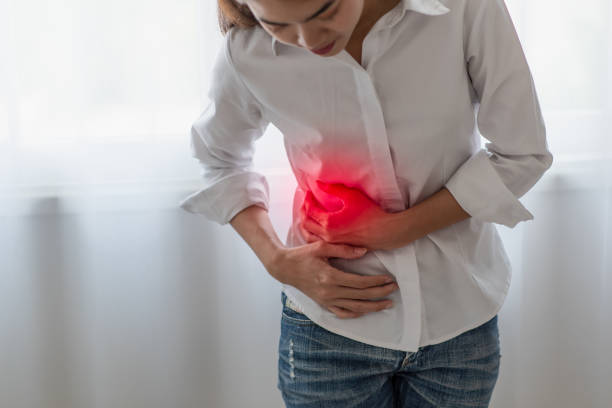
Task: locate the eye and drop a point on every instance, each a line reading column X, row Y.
column 331, row 15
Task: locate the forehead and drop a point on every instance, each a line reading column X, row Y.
column 285, row 11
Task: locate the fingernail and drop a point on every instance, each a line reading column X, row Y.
column 389, row 305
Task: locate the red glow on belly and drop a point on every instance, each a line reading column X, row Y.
column 344, row 207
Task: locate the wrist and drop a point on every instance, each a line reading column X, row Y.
column 274, row 261
column 400, row 228
column 254, row 226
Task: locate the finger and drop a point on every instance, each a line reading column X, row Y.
column 311, row 226
column 307, row 235
column 327, row 250
column 354, row 280
column 313, row 209
column 311, row 201
column 343, row 313
column 371, row 293
column 318, row 214
column 313, row 238
column 363, row 306
column 304, row 210
column 302, row 214
column 306, row 203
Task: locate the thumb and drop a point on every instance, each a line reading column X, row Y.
column 341, row 251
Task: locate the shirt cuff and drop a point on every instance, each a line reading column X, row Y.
column 480, row 191
column 226, row 198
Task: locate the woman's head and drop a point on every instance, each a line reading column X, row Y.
column 310, row 24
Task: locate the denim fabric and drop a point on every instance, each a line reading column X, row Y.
column 318, row 368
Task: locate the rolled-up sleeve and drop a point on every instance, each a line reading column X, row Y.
column 222, row 140
column 489, row 184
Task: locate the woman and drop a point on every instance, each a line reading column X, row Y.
column 393, row 271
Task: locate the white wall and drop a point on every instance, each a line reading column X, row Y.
column 123, row 300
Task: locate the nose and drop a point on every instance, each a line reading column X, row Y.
column 309, row 36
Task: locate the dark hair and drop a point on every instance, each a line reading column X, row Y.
column 231, row 13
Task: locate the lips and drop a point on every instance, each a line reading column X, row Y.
column 325, row 49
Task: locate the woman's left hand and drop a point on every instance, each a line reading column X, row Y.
column 358, row 221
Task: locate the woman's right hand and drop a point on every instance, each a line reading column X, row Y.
column 345, row 294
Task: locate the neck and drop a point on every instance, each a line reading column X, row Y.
column 373, row 10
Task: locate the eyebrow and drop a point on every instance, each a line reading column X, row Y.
column 321, row 10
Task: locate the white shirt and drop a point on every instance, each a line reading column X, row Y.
column 435, row 75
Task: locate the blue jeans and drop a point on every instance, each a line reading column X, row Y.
column 318, row 368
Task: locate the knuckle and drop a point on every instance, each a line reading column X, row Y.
column 324, row 293
column 317, row 278
column 324, row 278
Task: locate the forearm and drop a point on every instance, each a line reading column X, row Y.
column 437, row 211
column 254, row 226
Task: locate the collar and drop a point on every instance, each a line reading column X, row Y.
column 427, row 7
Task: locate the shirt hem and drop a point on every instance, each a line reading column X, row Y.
column 392, row 346
column 456, row 333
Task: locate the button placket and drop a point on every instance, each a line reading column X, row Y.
column 378, row 141
column 402, row 261
column 390, row 197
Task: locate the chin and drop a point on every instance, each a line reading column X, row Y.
column 331, row 54
column 338, row 47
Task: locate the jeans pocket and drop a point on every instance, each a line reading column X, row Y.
column 292, row 313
